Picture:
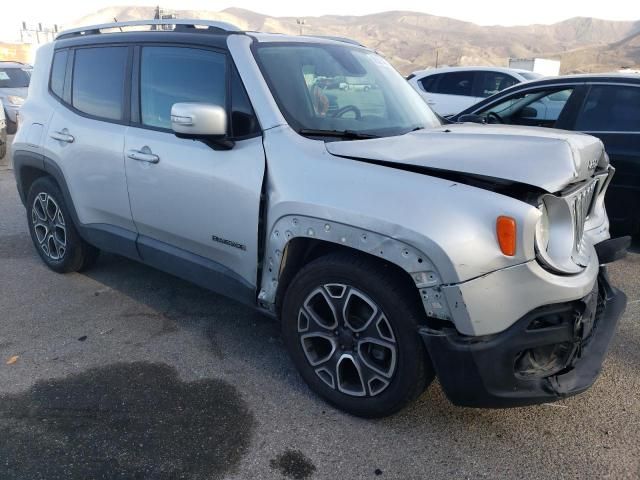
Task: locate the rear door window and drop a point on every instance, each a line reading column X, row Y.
column 455, row 83
column 429, row 83
column 99, row 80
column 610, row 108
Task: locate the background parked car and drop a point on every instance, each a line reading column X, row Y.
column 449, row 90
column 14, row 82
column 606, row 106
column 3, row 135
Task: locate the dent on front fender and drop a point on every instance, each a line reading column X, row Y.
column 416, row 263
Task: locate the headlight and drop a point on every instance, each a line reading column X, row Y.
column 555, row 233
column 542, row 230
column 13, row 100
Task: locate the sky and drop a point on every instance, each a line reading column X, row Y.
column 496, row 12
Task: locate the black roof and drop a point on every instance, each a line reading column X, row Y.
column 216, row 38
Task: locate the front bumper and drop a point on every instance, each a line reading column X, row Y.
column 496, row 370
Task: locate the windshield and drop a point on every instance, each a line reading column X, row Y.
column 13, row 78
column 333, row 88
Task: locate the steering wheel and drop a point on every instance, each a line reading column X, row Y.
column 496, row 116
column 348, row 108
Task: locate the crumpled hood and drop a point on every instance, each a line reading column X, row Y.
column 542, row 157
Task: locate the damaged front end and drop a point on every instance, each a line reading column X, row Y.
column 553, row 352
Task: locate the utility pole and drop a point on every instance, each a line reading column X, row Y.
column 301, row 23
column 27, row 33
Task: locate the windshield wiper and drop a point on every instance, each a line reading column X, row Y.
column 348, row 134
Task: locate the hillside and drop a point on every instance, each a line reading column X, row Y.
column 410, row 40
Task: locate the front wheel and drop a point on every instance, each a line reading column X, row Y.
column 351, row 328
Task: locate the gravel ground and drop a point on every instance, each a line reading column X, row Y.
column 125, row 372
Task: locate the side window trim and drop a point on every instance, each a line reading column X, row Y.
column 68, row 77
column 135, row 116
column 233, row 71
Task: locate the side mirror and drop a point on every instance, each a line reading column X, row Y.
column 472, row 117
column 201, row 121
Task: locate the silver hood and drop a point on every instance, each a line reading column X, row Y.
column 542, row 157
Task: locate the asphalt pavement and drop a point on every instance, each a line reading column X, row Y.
column 124, row 372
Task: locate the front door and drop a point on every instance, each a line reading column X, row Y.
column 190, row 201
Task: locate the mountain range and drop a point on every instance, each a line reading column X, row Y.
column 411, row 40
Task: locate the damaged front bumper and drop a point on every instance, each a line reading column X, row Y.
column 552, row 352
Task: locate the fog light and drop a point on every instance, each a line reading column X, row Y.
column 543, row 361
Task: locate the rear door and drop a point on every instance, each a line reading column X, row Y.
column 611, row 112
column 86, row 134
column 193, row 202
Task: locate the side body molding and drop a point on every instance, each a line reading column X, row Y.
column 410, row 259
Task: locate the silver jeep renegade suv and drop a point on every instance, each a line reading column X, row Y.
column 391, row 247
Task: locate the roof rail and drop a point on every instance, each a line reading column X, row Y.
column 188, row 23
column 338, row 39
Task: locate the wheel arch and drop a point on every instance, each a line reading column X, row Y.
column 295, row 240
column 29, row 166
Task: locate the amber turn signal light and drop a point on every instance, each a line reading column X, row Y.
column 506, row 230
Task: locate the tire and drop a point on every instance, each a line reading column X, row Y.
column 12, row 127
column 53, row 232
column 3, row 150
column 336, row 361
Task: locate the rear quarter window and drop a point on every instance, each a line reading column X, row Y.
column 58, row 71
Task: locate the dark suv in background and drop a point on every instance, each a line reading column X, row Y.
column 605, row 106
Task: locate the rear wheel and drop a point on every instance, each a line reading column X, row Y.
column 351, row 328
column 52, row 230
column 12, row 127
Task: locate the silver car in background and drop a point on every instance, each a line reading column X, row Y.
column 391, row 247
column 14, row 83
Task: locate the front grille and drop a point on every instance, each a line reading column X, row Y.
column 580, row 202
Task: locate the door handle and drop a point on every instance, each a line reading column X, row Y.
column 63, row 136
column 143, row 155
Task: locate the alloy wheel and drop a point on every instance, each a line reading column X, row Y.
column 347, row 340
column 49, row 226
